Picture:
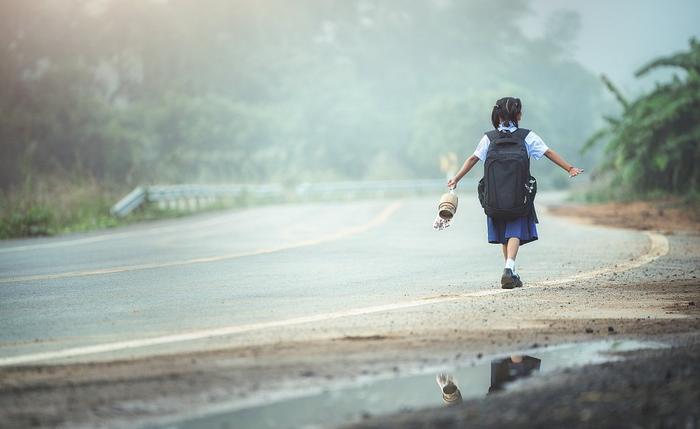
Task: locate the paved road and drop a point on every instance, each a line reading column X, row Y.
column 265, row 264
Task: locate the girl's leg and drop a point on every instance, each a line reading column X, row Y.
column 504, row 247
column 510, row 278
column 512, row 248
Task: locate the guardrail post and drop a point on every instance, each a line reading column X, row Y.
column 130, row 202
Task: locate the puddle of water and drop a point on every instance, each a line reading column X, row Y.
column 431, row 388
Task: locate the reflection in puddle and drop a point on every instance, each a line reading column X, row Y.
column 510, row 369
column 346, row 404
column 504, row 370
column 450, row 392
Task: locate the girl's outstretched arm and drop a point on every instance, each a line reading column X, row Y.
column 555, row 158
column 468, row 164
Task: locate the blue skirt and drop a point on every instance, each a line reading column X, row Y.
column 523, row 228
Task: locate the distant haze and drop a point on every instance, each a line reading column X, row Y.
column 617, row 37
column 133, row 91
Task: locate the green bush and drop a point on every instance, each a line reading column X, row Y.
column 35, row 221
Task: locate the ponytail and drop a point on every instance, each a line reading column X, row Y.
column 506, row 110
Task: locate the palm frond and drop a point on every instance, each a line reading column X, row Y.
column 616, row 92
column 686, row 60
column 595, row 138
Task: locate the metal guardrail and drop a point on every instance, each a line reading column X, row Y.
column 130, row 202
column 370, row 186
column 158, row 193
column 193, row 196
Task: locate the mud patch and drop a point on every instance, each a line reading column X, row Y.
column 364, row 337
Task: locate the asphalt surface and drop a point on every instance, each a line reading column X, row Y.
column 263, row 265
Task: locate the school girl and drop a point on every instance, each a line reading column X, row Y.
column 511, row 233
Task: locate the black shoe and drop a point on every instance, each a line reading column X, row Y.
column 507, row 279
column 518, row 282
column 510, row 280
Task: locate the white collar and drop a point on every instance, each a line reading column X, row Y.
column 509, row 127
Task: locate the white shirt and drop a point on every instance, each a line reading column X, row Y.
column 535, row 146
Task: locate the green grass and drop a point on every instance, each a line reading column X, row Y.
column 53, row 207
column 60, row 207
column 41, row 220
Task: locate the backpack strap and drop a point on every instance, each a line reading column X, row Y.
column 492, row 135
column 521, row 133
column 506, row 136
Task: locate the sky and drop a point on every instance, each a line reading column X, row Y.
column 616, row 37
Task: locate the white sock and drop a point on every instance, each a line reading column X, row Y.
column 510, row 263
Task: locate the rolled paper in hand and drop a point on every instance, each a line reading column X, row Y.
column 448, row 205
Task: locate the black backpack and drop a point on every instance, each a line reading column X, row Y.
column 507, row 190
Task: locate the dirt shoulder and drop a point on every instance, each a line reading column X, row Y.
column 658, row 301
column 664, row 216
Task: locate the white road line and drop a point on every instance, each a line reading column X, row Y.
column 377, row 220
column 658, row 246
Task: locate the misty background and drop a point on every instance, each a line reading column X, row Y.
column 99, row 96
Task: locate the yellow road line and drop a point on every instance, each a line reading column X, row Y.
column 657, row 248
column 347, row 232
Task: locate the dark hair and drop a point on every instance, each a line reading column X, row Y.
column 506, row 109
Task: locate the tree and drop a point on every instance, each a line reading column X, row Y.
column 654, row 145
column 136, row 91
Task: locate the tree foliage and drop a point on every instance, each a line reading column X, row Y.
column 654, row 145
column 132, row 91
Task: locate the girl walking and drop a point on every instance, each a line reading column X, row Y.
column 506, row 153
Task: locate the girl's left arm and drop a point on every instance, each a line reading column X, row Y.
column 468, row 165
column 557, row 159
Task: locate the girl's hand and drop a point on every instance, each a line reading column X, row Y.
column 575, row 171
column 452, row 183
